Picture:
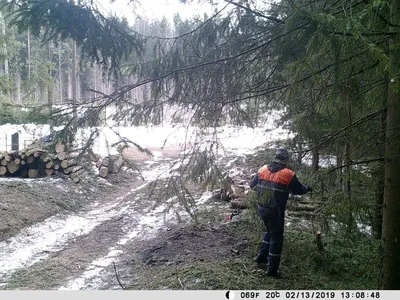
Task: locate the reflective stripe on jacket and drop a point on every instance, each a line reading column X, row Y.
column 273, row 182
column 277, row 181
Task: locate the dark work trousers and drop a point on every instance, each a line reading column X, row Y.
column 271, row 246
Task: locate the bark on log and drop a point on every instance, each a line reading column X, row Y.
column 311, row 202
column 3, row 170
column 117, row 165
column 75, row 169
column 99, row 163
column 37, row 154
column 238, row 204
column 68, row 163
column 78, row 173
column 29, row 152
column 72, row 169
column 300, row 214
column 103, row 172
column 304, row 207
column 33, row 173
column 46, row 159
column 12, row 167
column 72, row 155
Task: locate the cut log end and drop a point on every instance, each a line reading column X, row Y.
column 12, row 167
column 103, row 172
column 49, row 172
column 33, row 173
column 3, row 170
column 60, row 147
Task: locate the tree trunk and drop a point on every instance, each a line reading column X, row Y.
column 74, row 98
column 50, row 94
column 315, row 160
column 347, row 188
column 29, row 54
column 299, row 152
column 5, row 49
column 339, row 160
column 60, row 83
column 380, row 173
column 391, row 207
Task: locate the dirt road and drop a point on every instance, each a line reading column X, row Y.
column 71, row 249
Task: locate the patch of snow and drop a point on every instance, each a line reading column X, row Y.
column 146, row 228
column 229, row 163
column 36, row 242
column 203, row 199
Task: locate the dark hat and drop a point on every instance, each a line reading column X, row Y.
column 282, row 155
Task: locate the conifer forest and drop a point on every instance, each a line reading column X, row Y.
column 127, row 144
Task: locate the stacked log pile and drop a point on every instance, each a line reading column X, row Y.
column 108, row 165
column 41, row 160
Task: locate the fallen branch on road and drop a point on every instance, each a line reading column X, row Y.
column 117, row 276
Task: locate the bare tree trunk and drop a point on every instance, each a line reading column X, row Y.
column 60, row 83
column 391, row 207
column 339, row 160
column 50, row 93
column 315, row 160
column 347, row 161
column 74, row 88
column 18, row 84
column 380, row 173
column 29, row 54
column 299, row 152
column 69, row 91
column 5, row 49
column 347, row 187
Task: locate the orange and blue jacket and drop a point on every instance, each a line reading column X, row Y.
column 274, row 182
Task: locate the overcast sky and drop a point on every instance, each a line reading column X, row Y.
column 155, row 9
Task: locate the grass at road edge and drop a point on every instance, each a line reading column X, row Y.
column 346, row 264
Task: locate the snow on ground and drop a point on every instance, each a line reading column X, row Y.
column 37, row 242
column 147, row 225
column 239, row 140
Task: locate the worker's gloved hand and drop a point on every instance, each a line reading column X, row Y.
column 308, row 188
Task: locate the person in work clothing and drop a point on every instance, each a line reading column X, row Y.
column 273, row 183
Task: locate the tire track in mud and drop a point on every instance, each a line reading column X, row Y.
column 70, row 251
